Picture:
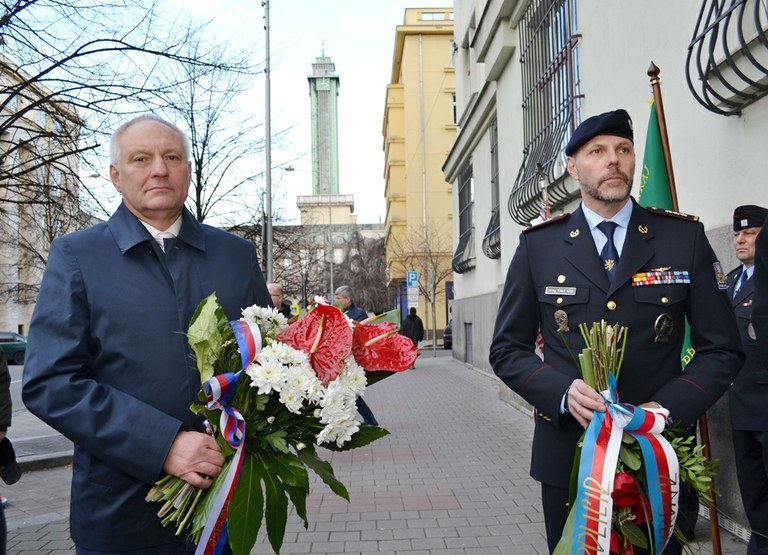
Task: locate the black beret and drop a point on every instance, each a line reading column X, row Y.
column 748, row 215
column 616, row 123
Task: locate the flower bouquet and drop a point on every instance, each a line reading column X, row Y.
column 271, row 393
column 629, row 464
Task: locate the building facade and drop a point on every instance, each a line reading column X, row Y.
column 38, row 188
column 419, row 129
column 528, row 72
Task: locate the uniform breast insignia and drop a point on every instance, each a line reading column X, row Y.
column 720, row 277
column 673, row 214
column 663, row 328
column 574, row 233
column 642, row 229
column 661, row 276
column 747, row 303
column 561, row 319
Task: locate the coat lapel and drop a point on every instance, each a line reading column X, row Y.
column 581, row 252
column 638, row 247
column 747, row 289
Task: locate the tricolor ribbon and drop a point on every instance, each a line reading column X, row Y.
column 597, row 469
column 218, row 393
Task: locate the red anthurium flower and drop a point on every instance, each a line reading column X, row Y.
column 324, row 334
column 380, row 347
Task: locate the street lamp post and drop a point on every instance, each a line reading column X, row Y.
column 267, row 235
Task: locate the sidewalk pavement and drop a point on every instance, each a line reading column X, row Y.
column 452, row 478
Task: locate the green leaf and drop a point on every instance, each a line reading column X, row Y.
column 276, row 510
column 206, row 505
column 204, row 337
column 635, row 535
column 364, row 436
column 290, row 469
column 277, row 441
column 565, row 545
column 324, row 470
column 299, row 499
column 246, row 508
column 377, row 376
column 630, row 459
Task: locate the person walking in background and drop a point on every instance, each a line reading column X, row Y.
column 6, row 409
column 278, row 300
column 344, row 295
column 108, row 364
column 413, row 327
column 748, row 396
column 585, row 267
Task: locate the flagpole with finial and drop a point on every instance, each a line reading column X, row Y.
column 653, row 73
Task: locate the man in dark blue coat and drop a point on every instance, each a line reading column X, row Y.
column 748, row 398
column 108, row 363
column 648, row 270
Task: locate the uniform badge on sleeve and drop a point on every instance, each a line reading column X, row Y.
column 720, row 277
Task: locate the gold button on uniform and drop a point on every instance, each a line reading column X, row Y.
column 664, row 300
column 559, row 300
column 611, row 305
column 561, row 279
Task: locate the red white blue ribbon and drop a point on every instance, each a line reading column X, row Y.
column 218, row 392
column 597, row 469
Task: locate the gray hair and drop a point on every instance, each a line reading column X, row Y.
column 344, row 291
column 114, row 143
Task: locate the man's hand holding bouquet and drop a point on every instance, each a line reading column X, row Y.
column 272, row 392
column 629, row 464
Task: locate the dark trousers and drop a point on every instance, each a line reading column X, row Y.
column 366, row 412
column 179, row 548
column 751, row 450
column 554, row 503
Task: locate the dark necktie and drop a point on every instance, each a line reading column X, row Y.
column 609, row 254
column 740, row 283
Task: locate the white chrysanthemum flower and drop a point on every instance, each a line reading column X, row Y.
column 266, row 374
column 292, row 398
column 319, row 300
column 270, row 321
column 339, row 432
column 352, row 379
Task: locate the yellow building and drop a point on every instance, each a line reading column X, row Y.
column 419, row 129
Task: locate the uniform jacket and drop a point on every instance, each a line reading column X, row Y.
column 108, row 363
column 748, row 398
column 557, row 268
column 760, row 304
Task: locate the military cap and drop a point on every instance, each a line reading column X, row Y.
column 617, row 123
column 749, row 215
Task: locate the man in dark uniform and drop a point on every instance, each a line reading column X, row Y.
column 748, row 397
column 760, row 306
column 655, row 269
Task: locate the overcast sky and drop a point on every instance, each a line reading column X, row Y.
column 359, row 37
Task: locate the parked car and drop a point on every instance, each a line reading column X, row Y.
column 14, row 346
column 448, row 336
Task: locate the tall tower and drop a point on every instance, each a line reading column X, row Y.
column 324, row 92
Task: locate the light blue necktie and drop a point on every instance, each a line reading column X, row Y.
column 740, row 283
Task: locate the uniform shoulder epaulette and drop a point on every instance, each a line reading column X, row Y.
column 673, row 214
column 543, row 223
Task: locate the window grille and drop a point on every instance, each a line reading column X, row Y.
column 492, row 239
column 464, row 257
column 727, row 62
column 551, row 103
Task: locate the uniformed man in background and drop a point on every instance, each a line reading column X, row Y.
column 748, row 398
column 610, row 260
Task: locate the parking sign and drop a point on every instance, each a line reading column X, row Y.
column 412, row 278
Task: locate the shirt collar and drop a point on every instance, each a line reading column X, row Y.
column 172, row 231
column 621, row 217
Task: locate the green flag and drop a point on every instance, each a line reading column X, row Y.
column 654, row 183
column 656, row 192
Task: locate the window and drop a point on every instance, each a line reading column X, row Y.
column 492, row 239
column 464, row 257
column 433, row 16
column 551, row 102
column 455, row 109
